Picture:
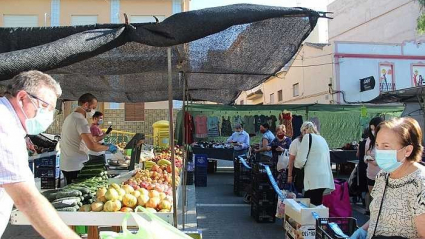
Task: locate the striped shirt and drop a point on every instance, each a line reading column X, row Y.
column 13, row 157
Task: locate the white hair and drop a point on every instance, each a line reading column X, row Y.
column 31, row 82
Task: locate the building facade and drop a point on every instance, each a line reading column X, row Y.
column 38, row 13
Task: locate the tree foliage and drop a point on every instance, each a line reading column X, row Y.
column 421, row 18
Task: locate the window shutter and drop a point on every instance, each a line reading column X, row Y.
column 134, row 111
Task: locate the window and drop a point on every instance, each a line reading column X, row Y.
column 296, row 90
column 279, row 96
column 20, row 21
column 134, row 111
column 145, row 19
column 114, row 106
column 272, row 98
column 83, row 20
column 241, row 103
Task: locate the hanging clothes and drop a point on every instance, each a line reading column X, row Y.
column 226, row 127
column 257, row 123
column 297, row 122
column 189, row 127
column 272, row 122
column 213, row 126
column 201, row 130
column 316, row 122
column 237, row 120
column 249, row 124
column 286, row 119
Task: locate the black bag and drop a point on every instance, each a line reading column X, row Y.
column 299, row 172
column 379, row 214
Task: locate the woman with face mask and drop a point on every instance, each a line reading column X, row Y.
column 398, row 206
column 278, row 146
column 372, row 167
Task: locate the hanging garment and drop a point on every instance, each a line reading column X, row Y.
column 201, row 130
column 286, row 119
column 257, row 123
column 226, row 127
column 297, row 121
column 249, row 124
column 237, row 120
column 263, row 119
column 316, row 122
column 189, row 128
column 272, row 122
column 213, row 123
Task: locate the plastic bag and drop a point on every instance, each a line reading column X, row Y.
column 150, row 226
column 283, row 160
column 280, row 209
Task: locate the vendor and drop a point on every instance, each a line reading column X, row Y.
column 98, row 135
column 240, row 141
column 266, row 139
column 76, row 138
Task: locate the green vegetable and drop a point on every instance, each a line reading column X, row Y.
column 68, row 209
column 71, row 193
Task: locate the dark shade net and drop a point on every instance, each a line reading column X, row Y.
column 221, row 51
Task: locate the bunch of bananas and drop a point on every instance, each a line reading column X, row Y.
column 163, row 162
column 149, row 164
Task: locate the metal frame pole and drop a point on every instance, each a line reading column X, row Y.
column 170, row 112
column 184, row 196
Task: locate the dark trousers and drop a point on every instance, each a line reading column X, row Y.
column 69, row 176
column 315, row 195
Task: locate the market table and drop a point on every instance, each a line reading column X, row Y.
column 339, row 157
column 94, row 220
column 215, row 153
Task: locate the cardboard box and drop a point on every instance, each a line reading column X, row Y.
column 295, row 230
column 304, row 216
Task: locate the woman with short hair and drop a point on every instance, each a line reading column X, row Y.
column 398, row 206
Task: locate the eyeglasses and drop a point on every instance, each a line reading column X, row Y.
column 44, row 103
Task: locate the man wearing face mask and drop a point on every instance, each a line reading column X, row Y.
column 98, row 135
column 27, row 108
column 76, row 138
column 240, row 141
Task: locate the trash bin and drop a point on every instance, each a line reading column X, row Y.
column 161, row 133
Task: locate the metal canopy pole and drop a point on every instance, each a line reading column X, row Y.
column 170, row 112
column 181, row 77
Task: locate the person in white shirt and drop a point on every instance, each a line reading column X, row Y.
column 316, row 162
column 77, row 140
column 27, row 108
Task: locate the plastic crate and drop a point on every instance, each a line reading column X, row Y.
column 348, row 225
column 49, row 172
column 212, row 166
column 50, row 183
column 201, row 160
column 261, row 186
column 267, row 196
column 189, row 178
column 263, row 214
column 201, row 181
column 260, row 178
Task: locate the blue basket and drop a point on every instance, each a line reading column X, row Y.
column 49, row 172
column 201, row 160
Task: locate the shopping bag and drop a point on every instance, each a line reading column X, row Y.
column 283, row 160
column 150, row 227
column 280, row 209
column 338, row 201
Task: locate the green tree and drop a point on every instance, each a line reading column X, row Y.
column 421, row 18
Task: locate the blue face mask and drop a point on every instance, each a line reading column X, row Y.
column 387, row 160
column 41, row 121
column 100, row 121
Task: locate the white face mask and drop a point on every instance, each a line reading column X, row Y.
column 373, row 132
column 41, row 121
column 91, row 113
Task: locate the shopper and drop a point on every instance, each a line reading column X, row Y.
column 240, row 141
column 293, row 149
column 27, row 108
column 398, row 206
column 98, row 135
column 278, row 146
column 76, row 138
column 266, row 139
column 315, row 159
column 369, row 158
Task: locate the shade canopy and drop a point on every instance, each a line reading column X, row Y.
column 219, row 51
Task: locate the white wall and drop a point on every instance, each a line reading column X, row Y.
column 351, row 69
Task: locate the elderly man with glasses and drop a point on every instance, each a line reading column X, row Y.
column 27, row 108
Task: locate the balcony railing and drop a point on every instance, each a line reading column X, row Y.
column 384, row 87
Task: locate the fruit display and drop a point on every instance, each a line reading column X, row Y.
column 124, row 198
